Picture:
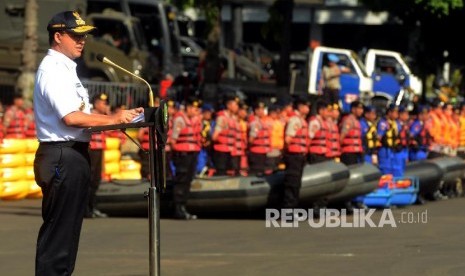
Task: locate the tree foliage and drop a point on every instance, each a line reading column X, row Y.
column 414, row 9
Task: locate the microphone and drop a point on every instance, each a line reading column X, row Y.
column 103, row 59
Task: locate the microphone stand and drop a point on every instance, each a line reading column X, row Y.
column 156, row 118
column 157, row 139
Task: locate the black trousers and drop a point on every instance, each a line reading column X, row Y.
column 185, row 164
column 257, row 163
column 352, row 158
column 62, row 170
column 313, row 158
column 144, row 163
column 222, row 162
column 293, row 178
column 96, row 162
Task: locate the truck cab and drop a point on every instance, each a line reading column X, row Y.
column 392, row 78
column 134, row 57
column 159, row 25
column 355, row 85
column 121, row 39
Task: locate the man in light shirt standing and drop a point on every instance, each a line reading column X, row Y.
column 62, row 165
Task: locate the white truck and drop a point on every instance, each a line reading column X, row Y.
column 355, row 84
column 393, row 81
column 383, row 78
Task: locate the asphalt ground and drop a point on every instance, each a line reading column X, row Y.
column 420, row 240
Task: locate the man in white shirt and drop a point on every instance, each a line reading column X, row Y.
column 61, row 165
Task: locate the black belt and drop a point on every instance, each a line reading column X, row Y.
column 70, row 144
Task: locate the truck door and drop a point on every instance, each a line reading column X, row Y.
column 161, row 31
column 350, row 82
column 388, row 76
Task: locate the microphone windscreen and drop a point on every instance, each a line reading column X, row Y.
column 100, row 57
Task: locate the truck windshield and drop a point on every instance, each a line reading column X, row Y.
column 139, row 36
column 114, row 33
column 156, row 32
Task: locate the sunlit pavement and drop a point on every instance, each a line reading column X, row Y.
column 214, row 246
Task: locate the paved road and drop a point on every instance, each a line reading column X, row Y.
column 119, row 246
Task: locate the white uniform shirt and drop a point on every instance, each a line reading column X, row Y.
column 57, row 93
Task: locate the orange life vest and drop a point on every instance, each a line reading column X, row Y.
column 454, row 132
column 436, row 129
column 299, row 142
column 189, row 138
column 145, row 142
column 17, row 123
column 30, row 124
column 277, row 134
column 97, row 141
column 318, row 144
column 462, row 131
column 261, row 144
column 333, row 144
column 352, row 141
column 241, row 139
column 226, row 140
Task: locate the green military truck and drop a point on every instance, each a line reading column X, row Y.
column 132, row 53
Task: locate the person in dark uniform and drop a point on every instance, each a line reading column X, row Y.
column 143, row 138
column 295, row 154
column 421, row 137
column 186, row 144
column 62, row 164
column 370, row 140
column 97, row 146
column 388, row 133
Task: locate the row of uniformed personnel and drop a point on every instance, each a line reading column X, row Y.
column 238, row 143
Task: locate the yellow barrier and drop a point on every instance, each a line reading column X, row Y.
column 32, row 145
column 111, row 168
column 12, row 174
column 127, row 175
column 30, row 158
column 13, row 146
column 15, row 190
column 34, row 190
column 129, row 165
column 112, row 143
column 29, row 173
column 12, row 160
column 111, row 156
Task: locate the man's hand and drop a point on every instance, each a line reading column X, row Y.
column 126, row 116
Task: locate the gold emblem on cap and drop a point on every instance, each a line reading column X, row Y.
column 103, row 97
column 82, row 106
column 79, row 20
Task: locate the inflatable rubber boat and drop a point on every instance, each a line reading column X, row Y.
column 221, row 193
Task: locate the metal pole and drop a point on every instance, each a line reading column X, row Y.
column 154, row 211
column 154, row 227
